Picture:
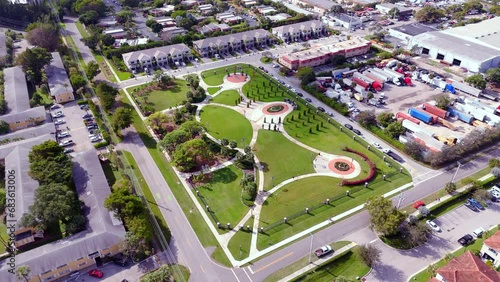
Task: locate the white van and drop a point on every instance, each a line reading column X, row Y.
column 478, row 233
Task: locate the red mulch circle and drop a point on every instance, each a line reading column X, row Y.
column 265, row 109
column 331, row 166
column 236, row 78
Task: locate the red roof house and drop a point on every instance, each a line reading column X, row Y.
column 466, row 268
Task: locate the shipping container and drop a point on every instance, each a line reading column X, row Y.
column 380, row 73
column 461, row 116
column 393, row 74
column 434, row 117
column 466, row 88
column 446, row 123
column 435, row 110
column 477, row 113
column 400, row 115
column 428, row 141
column 362, row 77
column 377, row 79
column 361, row 83
column 421, row 115
column 412, row 126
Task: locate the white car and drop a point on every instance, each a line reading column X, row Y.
column 58, row 114
column 93, row 136
column 63, row 134
column 377, row 145
column 433, row 225
column 66, row 143
column 95, row 139
column 59, row 121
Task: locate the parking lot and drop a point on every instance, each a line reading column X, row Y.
column 73, row 123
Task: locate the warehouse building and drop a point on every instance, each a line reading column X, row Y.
column 408, row 31
column 475, row 47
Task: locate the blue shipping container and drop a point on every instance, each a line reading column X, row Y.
column 420, row 115
column 461, row 116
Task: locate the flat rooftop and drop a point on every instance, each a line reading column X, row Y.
column 331, row 45
column 413, row 29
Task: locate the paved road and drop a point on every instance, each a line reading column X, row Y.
column 75, row 34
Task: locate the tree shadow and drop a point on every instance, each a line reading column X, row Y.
column 265, row 166
column 224, row 175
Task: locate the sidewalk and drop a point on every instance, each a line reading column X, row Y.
column 317, row 263
column 447, row 196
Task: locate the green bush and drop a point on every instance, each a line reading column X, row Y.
column 83, row 102
column 101, row 144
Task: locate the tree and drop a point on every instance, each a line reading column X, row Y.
column 338, row 60
column 384, row 217
column 194, row 128
column 77, row 81
column 496, row 172
column 156, row 27
column 224, row 142
column 369, row 254
column 417, row 234
column 429, row 14
column 386, row 118
column 81, row 6
column 395, row 129
column 192, row 154
column 124, row 16
column 162, row 274
column 477, row 81
column 174, row 138
column 54, row 202
column 4, row 127
column 135, row 246
column 140, row 227
column 415, row 150
column 306, row 75
column 122, row 118
column 89, row 17
column 91, row 41
column 91, row 70
column 23, row 272
column 494, row 162
column 157, row 120
column 33, row 60
column 483, row 195
column 43, row 34
column 130, row 3
column 367, row 118
column 106, row 94
column 443, row 101
column 49, row 164
column 450, row 187
column 122, row 202
column 393, row 13
column 233, row 144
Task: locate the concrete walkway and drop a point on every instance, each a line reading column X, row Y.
column 318, row 262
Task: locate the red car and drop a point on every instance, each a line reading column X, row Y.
column 96, row 273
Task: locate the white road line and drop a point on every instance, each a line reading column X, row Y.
column 247, row 275
column 251, row 271
column 373, row 241
column 235, row 275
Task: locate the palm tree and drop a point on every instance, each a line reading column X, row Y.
column 23, row 272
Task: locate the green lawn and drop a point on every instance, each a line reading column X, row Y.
column 222, row 122
column 162, row 100
column 212, row 90
column 104, row 67
column 4, row 236
column 348, row 266
column 425, row 275
column 227, row 97
column 239, row 245
column 111, row 174
column 223, row 194
column 281, row 158
column 301, row 263
column 293, row 201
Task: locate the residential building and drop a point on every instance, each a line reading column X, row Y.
column 115, row 32
column 322, row 52
column 206, row 8
column 104, row 233
column 165, row 21
column 474, row 47
column 19, row 114
column 257, row 38
column 59, row 83
column 466, row 268
column 249, row 3
column 228, row 18
column 107, row 22
column 385, row 8
column 130, row 42
column 192, row 3
column 321, row 7
column 346, row 21
column 408, row 31
column 213, row 27
column 157, row 56
column 158, row 12
column 300, row 31
column 279, row 17
column 491, row 249
column 266, row 10
column 170, row 32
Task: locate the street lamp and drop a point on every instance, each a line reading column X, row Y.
column 455, row 175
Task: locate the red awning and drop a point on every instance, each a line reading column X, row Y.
column 417, row 204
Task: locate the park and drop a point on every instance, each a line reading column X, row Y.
column 305, row 168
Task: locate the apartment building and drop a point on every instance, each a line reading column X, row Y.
column 225, row 44
column 19, row 114
column 323, row 51
column 491, row 249
column 157, row 56
column 300, row 31
column 59, row 83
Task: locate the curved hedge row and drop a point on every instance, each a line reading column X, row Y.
column 370, row 164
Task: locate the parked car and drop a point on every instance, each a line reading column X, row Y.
column 377, row 145
column 321, row 109
column 83, row 106
column 348, row 126
column 300, row 94
column 471, row 206
column 68, row 150
column 433, row 225
column 87, row 116
column 120, row 260
column 59, row 121
column 476, row 203
column 356, row 131
column 309, row 100
column 63, row 134
column 55, row 106
column 323, row 251
column 93, row 126
column 478, row 232
column 96, row 273
column 57, row 114
column 95, row 139
column 330, row 114
column 466, row 240
column 66, row 143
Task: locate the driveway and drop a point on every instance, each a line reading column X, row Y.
column 75, row 126
column 398, row 265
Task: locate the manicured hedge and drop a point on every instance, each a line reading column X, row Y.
column 366, row 179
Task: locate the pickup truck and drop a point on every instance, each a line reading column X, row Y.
column 323, row 251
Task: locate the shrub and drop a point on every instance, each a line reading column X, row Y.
column 371, row 174
column 101, row 144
